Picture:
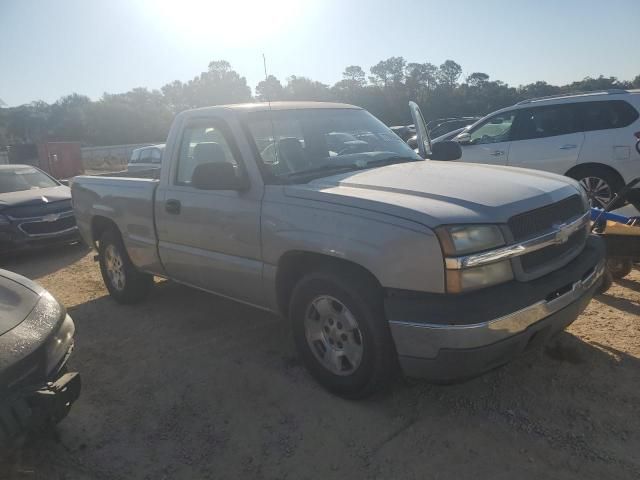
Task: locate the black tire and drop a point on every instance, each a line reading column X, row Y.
column 135, row 285
column 607, row 281
column 587, row 175
column 619, row 267
column 362, row 297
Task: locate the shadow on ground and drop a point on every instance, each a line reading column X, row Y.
column 38, row 263
column 188, row 385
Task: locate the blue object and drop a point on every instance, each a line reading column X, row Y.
column 597, row 213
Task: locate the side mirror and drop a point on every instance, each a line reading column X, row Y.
column 217, row 176
column 463, row 138
column 446, row 150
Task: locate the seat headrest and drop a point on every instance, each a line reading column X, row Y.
column 208, row 152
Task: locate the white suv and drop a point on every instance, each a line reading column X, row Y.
column 592, row 137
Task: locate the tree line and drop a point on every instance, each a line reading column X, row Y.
column 143, row 115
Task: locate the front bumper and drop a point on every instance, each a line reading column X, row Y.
column 37, row 407
column 456, row 350
column 15, row 237
column 35, row 388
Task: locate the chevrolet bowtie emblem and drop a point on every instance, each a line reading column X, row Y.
column 562, row 236
column 52, row 217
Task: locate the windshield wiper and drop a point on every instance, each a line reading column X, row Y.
column 390, row 161
column 350, row 167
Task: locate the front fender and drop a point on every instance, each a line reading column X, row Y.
column 401, row 254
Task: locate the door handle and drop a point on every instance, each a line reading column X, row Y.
column 172, row 206
column 497, row 153
column 568, row 147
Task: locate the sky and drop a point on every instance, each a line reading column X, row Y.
column 50, row 48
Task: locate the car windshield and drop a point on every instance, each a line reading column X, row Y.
column 27, row 178
column 297, row 145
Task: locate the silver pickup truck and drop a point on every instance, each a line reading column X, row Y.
column 382, row 259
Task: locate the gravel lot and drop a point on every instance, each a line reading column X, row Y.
column 188, row 385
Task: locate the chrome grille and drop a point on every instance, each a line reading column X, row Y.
column 46, row 228
column 531, row 261
column 540, row 220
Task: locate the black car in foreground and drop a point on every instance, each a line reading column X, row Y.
column 36, row 339
column 35, row 209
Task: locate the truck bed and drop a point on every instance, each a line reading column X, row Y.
column 125, row 201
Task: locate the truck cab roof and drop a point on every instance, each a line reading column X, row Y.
column 261, row 106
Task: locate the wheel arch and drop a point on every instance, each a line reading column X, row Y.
column 99, row 225
column 293, row 265
column 576, row 170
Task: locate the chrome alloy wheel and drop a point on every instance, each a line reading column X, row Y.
column 598, row 191
column 115, row 267
column 333, row 335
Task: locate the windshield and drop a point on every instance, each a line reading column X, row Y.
column 26, row 178
column 296, row 144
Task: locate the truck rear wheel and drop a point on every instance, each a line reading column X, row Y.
column 341, row 332
column 124, row 282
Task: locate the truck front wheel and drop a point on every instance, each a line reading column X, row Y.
column 341, row 332
column 124, row 282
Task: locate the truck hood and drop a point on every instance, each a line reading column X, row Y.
column 35, row 196
column 18, row 296
column 435, row 193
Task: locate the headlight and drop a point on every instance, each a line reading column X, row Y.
column 60, row 345
column 479, row 277
column 4, row 220
column 47, row 314
column 461, row 239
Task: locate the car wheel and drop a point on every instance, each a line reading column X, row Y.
column 341, row 332
column 619, row 267
column 124, row 282
column 600, row 184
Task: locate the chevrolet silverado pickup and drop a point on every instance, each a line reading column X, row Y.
column 383, row 259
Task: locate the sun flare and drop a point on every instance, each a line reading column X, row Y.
column 236, row 23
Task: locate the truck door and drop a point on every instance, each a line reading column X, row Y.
column 209, row 235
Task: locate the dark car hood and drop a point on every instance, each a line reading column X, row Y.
column 18, row 296
column 34, row 197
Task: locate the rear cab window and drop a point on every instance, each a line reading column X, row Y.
column 204, row 141
column 156, row 156
column 135, row 155
column 145, row 156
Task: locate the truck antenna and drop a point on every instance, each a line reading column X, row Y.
column 273, row 128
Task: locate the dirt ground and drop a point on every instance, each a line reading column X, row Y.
column 188, row 385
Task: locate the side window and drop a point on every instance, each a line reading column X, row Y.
column 494, row 130
column 607, row 114
column 135, row 155
column 542, row 122
column 204, row 142
column 145, row 156
column 156, row 155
